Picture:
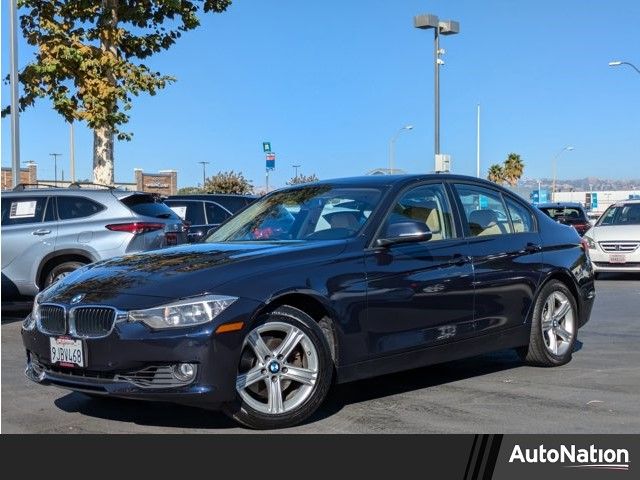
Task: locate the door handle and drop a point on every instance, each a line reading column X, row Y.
column 42, row 231
column 460, row 260
column 532, row 247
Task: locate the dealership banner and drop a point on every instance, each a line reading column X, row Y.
column 465, row 457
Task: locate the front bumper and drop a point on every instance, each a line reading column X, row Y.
column 601, row 262
column 134, row 361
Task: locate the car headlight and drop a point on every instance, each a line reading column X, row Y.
column 183, row 313
column 32, row 319
column 590, row 242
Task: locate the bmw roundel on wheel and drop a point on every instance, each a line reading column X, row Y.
column 317, row 284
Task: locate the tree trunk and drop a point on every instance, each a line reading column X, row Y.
column 103, row 156
column 103, row 135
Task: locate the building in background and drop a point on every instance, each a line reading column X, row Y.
column 27, row 175
column 164, row 183
column 596, row 202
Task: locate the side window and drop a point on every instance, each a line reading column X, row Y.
column 215, row 213
column 70, row 208
column 22, row 210
column 191, row 211
column 426, row 204
column 484, row 209
column 520, row 217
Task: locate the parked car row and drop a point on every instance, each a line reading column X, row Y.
column 49, row 232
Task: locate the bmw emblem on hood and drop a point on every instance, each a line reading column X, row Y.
column 77, row 298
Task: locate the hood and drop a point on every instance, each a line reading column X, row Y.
column 615, row 233
column 148, row 279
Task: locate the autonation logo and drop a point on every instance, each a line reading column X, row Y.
column 573, row 457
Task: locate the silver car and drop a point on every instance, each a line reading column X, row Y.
column 48, row 233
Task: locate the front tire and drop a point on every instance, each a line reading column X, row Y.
column 554, row 327
column 284, row 372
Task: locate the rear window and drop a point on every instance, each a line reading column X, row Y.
column 149, row 206
column 564, row 213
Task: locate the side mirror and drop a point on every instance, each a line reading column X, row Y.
column 405, row 232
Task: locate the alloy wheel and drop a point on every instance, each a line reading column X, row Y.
column 558, row 323
column 278, row 368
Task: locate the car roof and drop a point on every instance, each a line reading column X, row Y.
column 209, row 196
column 389, row 180
column 117, row 192
column 627, row 202
column 560, row 204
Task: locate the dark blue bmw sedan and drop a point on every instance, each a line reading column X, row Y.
column 331, row 281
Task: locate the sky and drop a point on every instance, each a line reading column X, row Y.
column 329, row 83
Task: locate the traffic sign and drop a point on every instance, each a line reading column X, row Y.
column 266, row 147
column 271, row 160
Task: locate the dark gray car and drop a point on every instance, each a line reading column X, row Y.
column 49, row 232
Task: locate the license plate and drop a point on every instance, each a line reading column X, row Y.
column 67, row 352
column 617, row 258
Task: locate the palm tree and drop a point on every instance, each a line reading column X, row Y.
column 513, row 169
column 496, row 174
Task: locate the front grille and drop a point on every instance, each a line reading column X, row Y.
column 619, row 247
column 93, row 321
column 52, row 320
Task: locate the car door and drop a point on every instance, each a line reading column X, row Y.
column 192, row 211
column 419, row 294
column 505, row 247
column 29, row 230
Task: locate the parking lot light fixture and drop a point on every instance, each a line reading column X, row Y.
column 568, row 148
column 440, row 27
column 617, row 63
column 392, row 147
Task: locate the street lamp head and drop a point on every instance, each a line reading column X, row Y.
column 569, row 148
column 408, row 127
column 449, row 27
column 425, row 21
column 615, row 63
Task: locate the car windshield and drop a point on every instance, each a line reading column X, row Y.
column 564, row 213
column 621, row 215
column 318, row 212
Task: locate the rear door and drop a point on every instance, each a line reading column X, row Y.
column 505, row 247
column 29, row 230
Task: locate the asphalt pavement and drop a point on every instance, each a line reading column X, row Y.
column 597, row 392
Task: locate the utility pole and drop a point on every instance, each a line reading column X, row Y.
column 296, row 167
column 204, row 172
column 55, row 166
column 15, row 108
column 72, row 153
column 478, row 144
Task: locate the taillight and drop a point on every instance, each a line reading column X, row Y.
column 136, row 227
column 171, row 238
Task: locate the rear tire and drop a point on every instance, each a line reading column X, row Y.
column 60, row 271
column 554, row 327
column 284, row 372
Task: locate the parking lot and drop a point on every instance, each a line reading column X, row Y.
column 597, row 392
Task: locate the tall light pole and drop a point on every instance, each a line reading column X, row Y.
column 204, row 171
column 55, row 166
column 478, row 143
column 440, row 27
column 392, row 146
column 15, row 113
column 555, row 169
column 72, row 153
column 617, row 63
column 296, row 167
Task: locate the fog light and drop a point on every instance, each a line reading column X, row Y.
column 184, row 372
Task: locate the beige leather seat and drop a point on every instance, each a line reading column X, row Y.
column 484, row 222
column 429, row 215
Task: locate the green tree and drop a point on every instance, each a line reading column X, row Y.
column 228, row 182
column 303, row 179
column 190, row 190
column 513, row 169
column 496, row 174
column 88, row 59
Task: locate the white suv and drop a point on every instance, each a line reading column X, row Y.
column 614, row 241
